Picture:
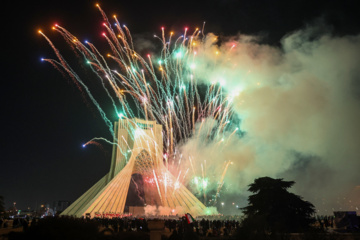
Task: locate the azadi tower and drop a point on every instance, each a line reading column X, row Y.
column 139, row 150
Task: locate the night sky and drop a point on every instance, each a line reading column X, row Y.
column 45, row 120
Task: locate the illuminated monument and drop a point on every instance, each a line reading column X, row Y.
column 139, row 150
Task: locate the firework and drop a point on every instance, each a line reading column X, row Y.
column 164, row 88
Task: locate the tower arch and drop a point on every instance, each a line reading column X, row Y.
column 138, row 150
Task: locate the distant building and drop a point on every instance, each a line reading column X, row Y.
column 346, row 220
column 60, row 206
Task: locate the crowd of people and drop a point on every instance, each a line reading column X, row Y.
column 175, row 226
column 324, row 222
column 15, row 223
column 204, row 227
column 123, row 224
column 179, row 226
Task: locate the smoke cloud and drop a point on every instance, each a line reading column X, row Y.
column 299, row 110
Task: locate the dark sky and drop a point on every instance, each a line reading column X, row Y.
column 45, row 120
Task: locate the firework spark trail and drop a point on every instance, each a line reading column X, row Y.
column 203, row 181
column 165, row 183
column 63, row 63
column 221, row 183
column 77, row 79
column 157, row 185
column 166, row 92
column 96, row 144
column 93, row 141
column 55, row 64
column 228, row 140
column 91, row 58
column 137, row 190
column 176, row 184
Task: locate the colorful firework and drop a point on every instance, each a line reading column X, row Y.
column 164, row 88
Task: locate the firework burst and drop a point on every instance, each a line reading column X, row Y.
column 164, row 88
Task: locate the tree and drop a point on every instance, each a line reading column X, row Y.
column 272, row 209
